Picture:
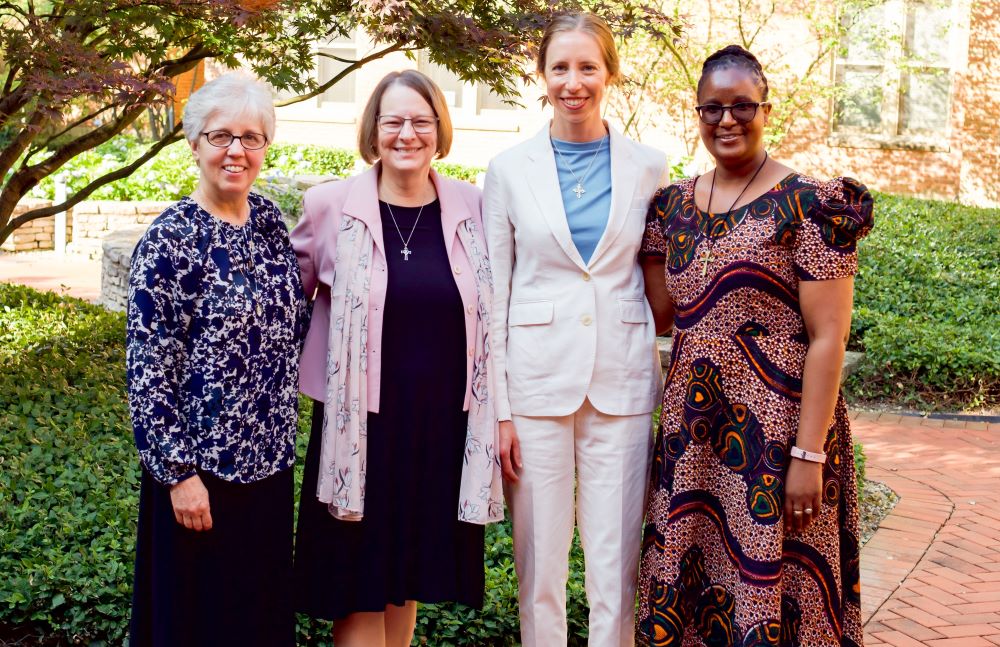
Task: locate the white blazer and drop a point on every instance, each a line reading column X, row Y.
column 562, row 329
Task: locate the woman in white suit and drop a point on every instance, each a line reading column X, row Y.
column 577, row 374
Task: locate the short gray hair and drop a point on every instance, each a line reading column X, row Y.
column 235, row 93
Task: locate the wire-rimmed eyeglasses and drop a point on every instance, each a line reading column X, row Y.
column 394, row 123
column 224, row 139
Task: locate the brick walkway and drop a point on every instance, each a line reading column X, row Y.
column 71, row 274
column 931, row 574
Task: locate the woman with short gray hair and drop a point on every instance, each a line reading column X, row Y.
column 215, row 320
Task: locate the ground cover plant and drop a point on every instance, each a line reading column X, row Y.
column 69, row 492
column 927, row 306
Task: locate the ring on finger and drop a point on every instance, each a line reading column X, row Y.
column 808, row 510
column 797, row 513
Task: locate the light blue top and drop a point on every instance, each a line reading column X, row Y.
column 587, row 215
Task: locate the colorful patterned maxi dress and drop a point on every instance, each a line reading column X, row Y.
column 717, row 568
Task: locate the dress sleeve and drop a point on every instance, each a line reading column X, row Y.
column 154, row 356
column 654, row 243
column 841, row 213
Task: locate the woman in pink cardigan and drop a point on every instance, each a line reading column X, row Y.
column 401, row 472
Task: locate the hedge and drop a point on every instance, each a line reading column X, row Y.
column 927, row 306
column 69, row 491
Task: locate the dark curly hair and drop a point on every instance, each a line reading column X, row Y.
column 734, row 56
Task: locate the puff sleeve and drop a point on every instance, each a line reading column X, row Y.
column 654, row 243
column 840, row 213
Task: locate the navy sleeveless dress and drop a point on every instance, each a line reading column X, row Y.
column 410, row 544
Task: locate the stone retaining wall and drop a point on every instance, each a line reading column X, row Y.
column 37, row 234
column 86, row 224
column 116, row 260
column 94, row 220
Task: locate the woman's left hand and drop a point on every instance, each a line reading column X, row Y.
column 803, row 494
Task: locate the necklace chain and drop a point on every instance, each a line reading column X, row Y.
column 706, row 257
column 578, row 189
column 406, row 241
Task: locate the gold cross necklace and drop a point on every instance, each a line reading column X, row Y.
column 706, row 256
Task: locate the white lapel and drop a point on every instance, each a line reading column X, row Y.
column 624, row 179
column 543, row 180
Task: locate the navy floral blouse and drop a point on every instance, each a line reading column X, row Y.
column 216, row 316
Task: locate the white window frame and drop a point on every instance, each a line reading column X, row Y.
column 898, row 15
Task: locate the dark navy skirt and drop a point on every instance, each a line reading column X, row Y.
column 227, row 586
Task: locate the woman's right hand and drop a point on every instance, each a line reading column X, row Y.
column 510, row 451
column 190, row 501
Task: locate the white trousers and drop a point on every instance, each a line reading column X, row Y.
column 609, row 456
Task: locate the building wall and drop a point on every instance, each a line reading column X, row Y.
column 961, row 164
column 980, row 139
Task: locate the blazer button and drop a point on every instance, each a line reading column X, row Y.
column 470, row 309
column 586, row 320
column 457, row 269
column 472, row 352
column 586, row 277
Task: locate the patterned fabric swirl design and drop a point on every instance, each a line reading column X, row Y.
column 717, row 567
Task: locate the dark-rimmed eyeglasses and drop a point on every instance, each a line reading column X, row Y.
column 394, row 124
column 224, row 139
column 743, row 112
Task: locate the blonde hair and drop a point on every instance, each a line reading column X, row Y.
column 235, row 94
column 422, row 85
column 587, row 23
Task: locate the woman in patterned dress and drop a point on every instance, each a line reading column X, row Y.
column 215, row 321
column 752, row 531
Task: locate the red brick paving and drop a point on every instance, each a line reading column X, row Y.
column 931, row 574
column 71, row 274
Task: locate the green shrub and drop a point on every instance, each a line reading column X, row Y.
column 69, row 479
column 927, row 305
column 68, row 475
column 69, row 491
column 458, row 172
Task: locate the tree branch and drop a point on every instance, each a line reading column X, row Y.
column 85, row 192
column 39, row 146
column 17, row 146
column 343, row 73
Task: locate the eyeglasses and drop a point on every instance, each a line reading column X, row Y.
column 394, row 124
column 743, row 112
column 224, row 139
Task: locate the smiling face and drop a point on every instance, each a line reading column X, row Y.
column 407, row 151
column 576, row 77
column 228, row 173
column 730, row 142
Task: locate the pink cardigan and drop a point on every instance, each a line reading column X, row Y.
column 315, row 241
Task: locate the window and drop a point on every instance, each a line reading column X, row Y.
column 487, row 99
column 344, row 48
column 895, row 76
column 449, row 82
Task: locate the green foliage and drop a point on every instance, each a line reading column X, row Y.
column 860, row 464
column 69, row 479
column 927, row 305
column 173, row 173
column 68, row 476
column 459, row 172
